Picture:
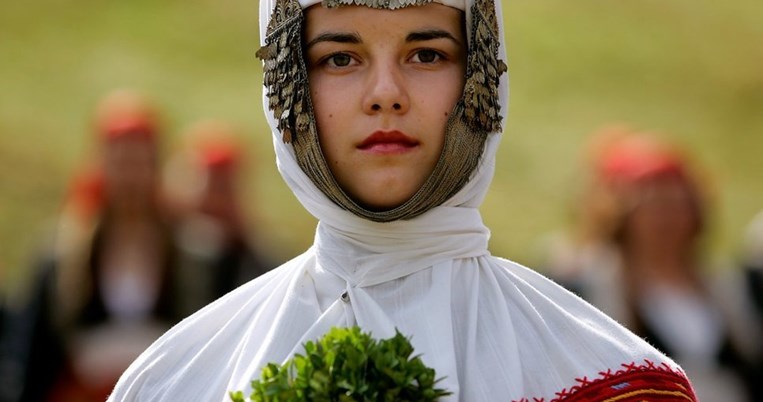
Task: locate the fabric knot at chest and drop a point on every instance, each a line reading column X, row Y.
column 370, row 253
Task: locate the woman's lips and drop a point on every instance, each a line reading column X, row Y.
column 388, row 142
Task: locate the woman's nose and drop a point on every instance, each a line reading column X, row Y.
column 386, row 90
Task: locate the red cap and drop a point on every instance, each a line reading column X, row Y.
column 638, row 157
column 125, row 113
column 214, row 144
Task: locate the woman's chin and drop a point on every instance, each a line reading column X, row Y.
column 383, row 200
column 382, row 192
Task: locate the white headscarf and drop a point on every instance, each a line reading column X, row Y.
column 492, row 329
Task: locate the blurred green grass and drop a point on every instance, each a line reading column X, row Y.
column 692, row 71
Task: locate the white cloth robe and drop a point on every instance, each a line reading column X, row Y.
column 492, row 329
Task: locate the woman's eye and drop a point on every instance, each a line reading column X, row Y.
column 339, row 60
column 426, row 56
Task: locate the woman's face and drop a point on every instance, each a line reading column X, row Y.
column 131, row 172
column 664, row 216
column 382, row 84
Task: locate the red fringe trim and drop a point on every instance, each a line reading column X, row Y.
column 633, row 383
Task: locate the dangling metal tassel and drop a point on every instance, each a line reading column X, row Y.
column 284, row 73
column 484, row 70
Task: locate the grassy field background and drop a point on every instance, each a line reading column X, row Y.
column 690, row 70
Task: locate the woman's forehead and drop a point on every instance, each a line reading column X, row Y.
column 358, row 19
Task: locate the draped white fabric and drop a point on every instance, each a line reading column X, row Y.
column 492, row 329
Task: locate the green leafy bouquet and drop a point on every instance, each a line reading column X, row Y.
column 347, row 365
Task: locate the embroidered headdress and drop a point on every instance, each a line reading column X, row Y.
column 476, row 115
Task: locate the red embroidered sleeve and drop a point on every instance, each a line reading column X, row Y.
column 633, row 383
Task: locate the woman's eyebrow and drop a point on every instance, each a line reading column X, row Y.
column 430, row 34
column 341, row 37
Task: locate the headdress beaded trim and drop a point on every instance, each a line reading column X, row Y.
column 384, row 4
column 475, row 116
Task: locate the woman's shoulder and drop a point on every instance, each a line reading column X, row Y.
column 585, row 354
column 194, row 360
column 556, row 313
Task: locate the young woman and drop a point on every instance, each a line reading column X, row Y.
column 386, row 117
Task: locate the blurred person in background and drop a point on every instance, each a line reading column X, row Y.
column 752, row 269
column 752, row 262
column 638, row 256
column 218, row 248
column 2, row 301
column 3, row 334
column 106, row 289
